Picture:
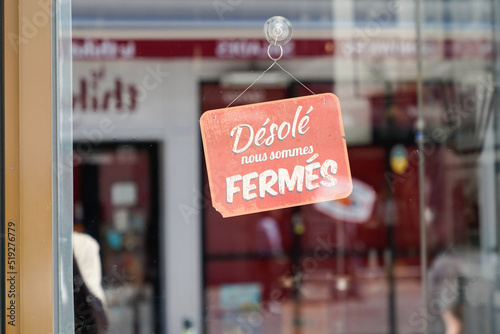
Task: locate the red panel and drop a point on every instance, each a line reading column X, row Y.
column 368, row 164
column 444, row 199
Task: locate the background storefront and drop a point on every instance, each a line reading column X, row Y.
column 143, row 73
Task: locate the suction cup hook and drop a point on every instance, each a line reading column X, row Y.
column 278, row 30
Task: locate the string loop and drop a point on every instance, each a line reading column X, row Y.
column 269, row 52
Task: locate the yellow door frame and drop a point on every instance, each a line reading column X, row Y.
column 32, row 273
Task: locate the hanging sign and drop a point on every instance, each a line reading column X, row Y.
column 276, row 154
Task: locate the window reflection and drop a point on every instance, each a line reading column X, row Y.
column 144, row 73
column 116, row 203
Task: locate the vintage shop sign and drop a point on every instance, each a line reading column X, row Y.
column 276, row 154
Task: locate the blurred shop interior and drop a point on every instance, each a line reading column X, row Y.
column 145, row 71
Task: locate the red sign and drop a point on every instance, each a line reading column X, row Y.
column 253, row 48
column 276, row 154
column 110, row 49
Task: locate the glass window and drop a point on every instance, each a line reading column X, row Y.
column 414, row 247
column 145, row 73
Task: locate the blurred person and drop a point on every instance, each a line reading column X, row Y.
column 444, row 276
column 89, row 298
